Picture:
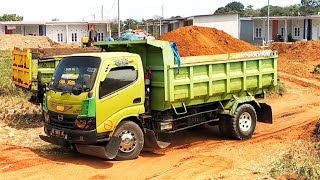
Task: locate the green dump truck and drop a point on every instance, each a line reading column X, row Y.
column 114, row 103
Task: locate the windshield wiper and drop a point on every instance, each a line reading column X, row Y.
column 66, row 92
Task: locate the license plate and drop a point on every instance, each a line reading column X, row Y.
column 58, row 133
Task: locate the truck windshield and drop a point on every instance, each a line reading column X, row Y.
column 79, row 72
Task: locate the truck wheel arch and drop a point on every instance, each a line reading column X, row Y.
column 134, row 119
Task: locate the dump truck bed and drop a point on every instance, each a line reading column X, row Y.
column 200, row 79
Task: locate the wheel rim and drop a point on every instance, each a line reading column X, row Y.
column 128, row 141
column 245, row 122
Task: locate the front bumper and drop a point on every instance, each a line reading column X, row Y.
column 72, row 136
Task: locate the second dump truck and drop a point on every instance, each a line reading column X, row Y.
column 114, row 103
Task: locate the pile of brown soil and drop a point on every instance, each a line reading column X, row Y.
column 197, row 41
column 308, row 51
column 299, row 58
column 23, row 42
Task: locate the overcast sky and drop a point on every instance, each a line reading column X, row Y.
column 38, row 10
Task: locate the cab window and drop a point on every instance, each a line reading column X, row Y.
column 117, row 79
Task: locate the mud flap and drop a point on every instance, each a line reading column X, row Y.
column 264, row 113
column 109, row 151
column 151, row 142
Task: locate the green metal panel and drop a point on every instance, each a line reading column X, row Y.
column 200, row 79
column 46, row 68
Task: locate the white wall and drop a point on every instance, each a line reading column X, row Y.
column 316, row 29
column 297, row 24
column 229, row 23
column 264, row 28
column 52, row 32
column 31, row 29
column 102, row 29
column 18, row 30
column 2, row 29
column 80, row 30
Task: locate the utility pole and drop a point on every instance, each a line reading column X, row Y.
column 162, row 9
column 101, row 12
column 119, row 30
column 268, row 19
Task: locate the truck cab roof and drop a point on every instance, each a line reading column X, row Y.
column 105, row 55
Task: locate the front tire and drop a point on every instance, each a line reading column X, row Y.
column 241, row 125
column 132, row 140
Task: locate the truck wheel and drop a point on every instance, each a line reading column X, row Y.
column 132, row 140
column 241, row 125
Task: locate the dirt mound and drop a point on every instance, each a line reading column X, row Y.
column 22, row 42
column 299, row 58
column 196, row 41
column 308, row 51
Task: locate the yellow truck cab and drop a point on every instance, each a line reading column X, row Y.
column 113, row 104
column 91, row 93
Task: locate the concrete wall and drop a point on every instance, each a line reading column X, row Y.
column 246, row 31
column 52, row 32
column 164, row 29
column 316, row 29
column 18, row 30
column 102, row 29
column 79, row 30
column 264, row 29
column 2, row 29
column 297, row 24
column 229, row 23
column 31, row 29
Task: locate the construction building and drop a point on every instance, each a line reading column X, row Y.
column 58, row 31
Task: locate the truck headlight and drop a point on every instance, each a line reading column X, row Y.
column 85, row 124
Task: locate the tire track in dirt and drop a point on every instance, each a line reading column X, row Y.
column 299, row 80
column 204, row 155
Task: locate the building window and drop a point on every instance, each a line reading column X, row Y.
column 74, row 37
column 258, row 32
column 297, row 32
column 100, row 37
column 282, row 32
column 60, row 37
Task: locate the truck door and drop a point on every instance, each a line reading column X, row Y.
column 121, row 95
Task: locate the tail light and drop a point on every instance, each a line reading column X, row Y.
column 46, row 118
column 148, row 77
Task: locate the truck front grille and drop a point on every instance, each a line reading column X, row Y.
column 67, row 121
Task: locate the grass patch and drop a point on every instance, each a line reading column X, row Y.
column 302, row 162
column 317, row 70
column 7, row 88
column 280, row 89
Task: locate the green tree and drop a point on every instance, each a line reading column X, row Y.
column 310, row 7
column 11, row 17
column 233, row 7
column 250, row 12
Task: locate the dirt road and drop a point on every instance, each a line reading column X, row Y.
column 199, row 154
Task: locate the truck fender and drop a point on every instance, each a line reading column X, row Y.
column 134, row 119
column 263, row 110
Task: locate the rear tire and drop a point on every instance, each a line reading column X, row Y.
column 241, row 125
column 132, row 140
